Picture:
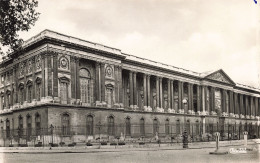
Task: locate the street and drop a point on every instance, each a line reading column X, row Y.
column 156, row 155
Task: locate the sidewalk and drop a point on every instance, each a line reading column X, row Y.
column 131, row 147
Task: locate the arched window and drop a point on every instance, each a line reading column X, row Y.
column 65, row 124
column 21, row 93
column 89, row 125
column 38, row 124
column 8, row 98
column 20, row 126
column 29, row 91
column 155, row 126
column 128, row 126
column 110, row 125
column 2, row 101
column 178, row 127
column 142, row 127
column 85, row 86
column 7, row 128
column 167, row 127
column 29, row 125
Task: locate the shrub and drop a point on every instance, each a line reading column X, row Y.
column 141, row 143
column 62, row 143
column 71, row 145
column 113, row 143
column 11, row 145
column 54, row 144
column 89, row 144
column 23, row 145
column 103, row 143
column 121, row 143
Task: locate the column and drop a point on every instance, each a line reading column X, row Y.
column 172, row 94
column 49, row 73
column 157, row 92
column 77, row 78
column 103, row 83
column 191, row 98
column 148, row 91
column 131, row 89
column 223, row 101
column 206, row 99
column 135, row 90
column 203, row 98
column 73, row 77
column 256, row 106
column 55, row 75
column 198, row 98
column 116, row 84
column 213, row 99
column 231, row 104
column 97, row 84
column 161, row 93
column 246, row 107
column 180, row 87
column 252, row 105
column 235, row 104
column 43, row 76
column 169, row 94
column 120, row 86
column 242, row 110
column 145, row 90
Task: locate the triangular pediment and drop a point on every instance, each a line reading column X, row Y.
column 220, row 76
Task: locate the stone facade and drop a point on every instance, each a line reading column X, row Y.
column 59, row 76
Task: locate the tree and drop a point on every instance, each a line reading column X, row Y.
column 15, row 16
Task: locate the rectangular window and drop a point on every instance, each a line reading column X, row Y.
column 64, row 92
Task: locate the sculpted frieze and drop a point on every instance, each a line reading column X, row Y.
column 219, row 77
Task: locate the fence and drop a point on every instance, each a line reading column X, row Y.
column 129, row 133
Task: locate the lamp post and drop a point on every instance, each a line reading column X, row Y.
column 185, row 134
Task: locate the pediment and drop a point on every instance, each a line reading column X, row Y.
column 220, row 76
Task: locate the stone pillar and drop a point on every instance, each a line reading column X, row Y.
column 256, row 106
column 148, row 92
column 180, row 88
column 73, row 77
column 44, row 78
column 157, row 92
column 34, row 78
column 161, row 93
column 241, row 104
column 206, row 99
column 251, row 106
column 49, row 73
column 235, row 104
column 135, row 90
column 120, row 84
column 97, row 83
column 198, row 98
column 191, row 98
column 103, row 83
column 246, row 108
column 231, row 104
column 131, row 89
column 145, row 90
column 77, row 79
column 172, row 94
column 203, row 98
column 169, row 94
column 213, row 99
column 116, row 84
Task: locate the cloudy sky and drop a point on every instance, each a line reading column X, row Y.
column 198, row 35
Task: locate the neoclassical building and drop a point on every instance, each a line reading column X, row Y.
column 64, row 81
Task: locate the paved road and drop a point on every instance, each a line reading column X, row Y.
column 183, row 156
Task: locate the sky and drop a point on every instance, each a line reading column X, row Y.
column 198, row 35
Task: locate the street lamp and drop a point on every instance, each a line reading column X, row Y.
column 185, row 134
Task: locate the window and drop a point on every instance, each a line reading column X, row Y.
column 38, row 88
column 128, row 126
column 167, row 127
column 197, row 128
column 178, row 127
column 188, row 127
column 89, row 125
column 64, row 92
column 142, row 127
column 21, row 95
column 110, row 125
column 65, row 124
column 20, row 126
column 85, row 87
column 29, row 125
column 109, row 95
column 29, row 93
column 7, row 128
column 38, row 124
column 155, row 126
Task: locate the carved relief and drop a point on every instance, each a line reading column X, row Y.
column 29, row 66
column 109, row 71
column 219, row 77
column 38, row 62
column 22, row 67
column 64, row 63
